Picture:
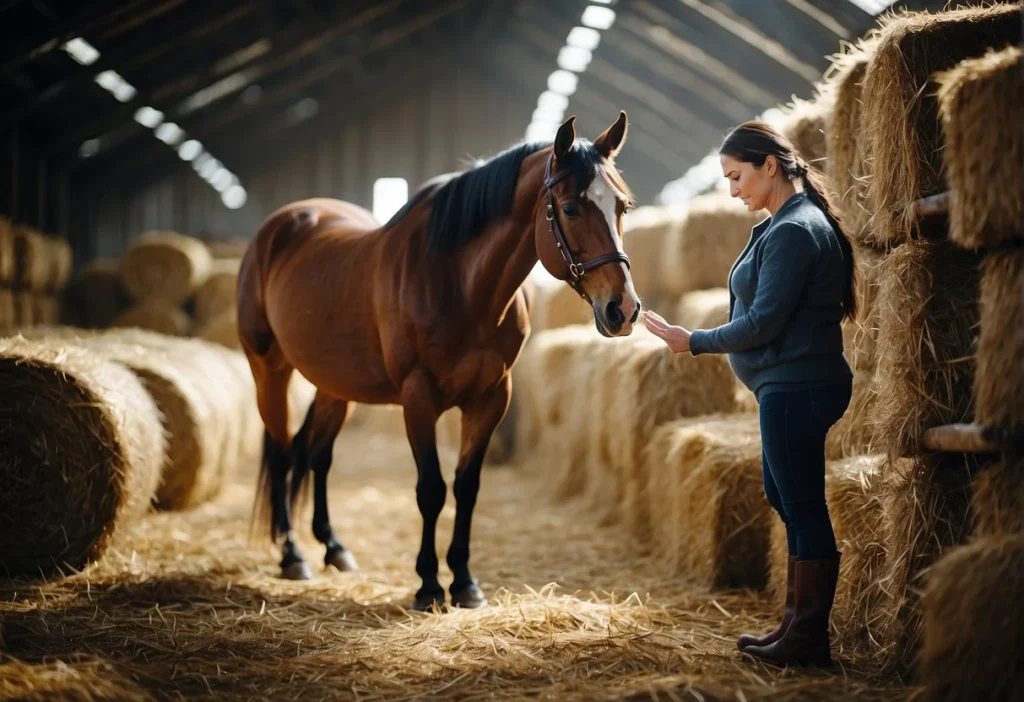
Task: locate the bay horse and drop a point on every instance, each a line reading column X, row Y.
column 428, row 312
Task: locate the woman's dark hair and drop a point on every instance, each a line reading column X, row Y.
column 753, row 142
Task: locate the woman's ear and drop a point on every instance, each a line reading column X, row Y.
column 772, row 164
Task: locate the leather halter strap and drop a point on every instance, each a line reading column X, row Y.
column 577, row 270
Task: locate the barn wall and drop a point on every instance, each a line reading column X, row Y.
column 33, row 190
column 437, row 129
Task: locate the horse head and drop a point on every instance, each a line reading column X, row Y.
column 579, row 224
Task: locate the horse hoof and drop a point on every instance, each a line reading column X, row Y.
column 426, row 601
column 297, row 571
column 469, row 597
column 343, row 560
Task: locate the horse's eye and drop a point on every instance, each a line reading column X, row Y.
column 569, row 211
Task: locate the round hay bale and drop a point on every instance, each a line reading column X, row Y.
column 165, row 266
column 155, row 315
column 61, row 260
column 234, row 248
column 6, row 309
column 24, row 308
column 31, row 258
column 82, row 445
column 218, row 295
column 222, row 329
column 6, row 252
column 95, row 297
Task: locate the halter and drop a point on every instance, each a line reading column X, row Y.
column 576, row 270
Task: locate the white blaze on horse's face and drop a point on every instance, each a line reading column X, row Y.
column 607, row 198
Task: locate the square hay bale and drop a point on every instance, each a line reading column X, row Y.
column 999, row 378
column 928, row 311
column 997, row 496
column 557, row 305
column 699, row 254
column 656, row 386
column 860, row 336
column 854, row 492
column 854, row 433
column 805, row 123
column 709, row 516
column 974, row 623
column 847, row 165
column 901, row 110
column 926, row 512
column 703, row 309
column 645, row 232
column 981, row 104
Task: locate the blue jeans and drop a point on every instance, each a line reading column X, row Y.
column 793, row 429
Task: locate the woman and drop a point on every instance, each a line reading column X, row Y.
column 789, row 290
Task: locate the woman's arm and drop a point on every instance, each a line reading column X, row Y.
column 787, row 257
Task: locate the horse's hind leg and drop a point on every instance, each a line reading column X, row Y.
column 314, row 448
column 272, row 401
column 479, row 419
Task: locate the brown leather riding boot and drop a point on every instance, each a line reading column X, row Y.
column 787, row 615
column 806, row 641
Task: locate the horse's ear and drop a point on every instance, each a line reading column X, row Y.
column 565, row 137
column 611, row 140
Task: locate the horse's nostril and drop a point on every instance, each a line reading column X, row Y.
column 613, row 312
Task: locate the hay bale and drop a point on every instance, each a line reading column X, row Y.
column 221, row 329
column 31, row 258
column 557, row 305
column 854, row 433
column 847, row 165
column 165, row 266
column 45, row 309
column 699, row 253
column 710, row 518
column 6, row 309
column 855, row 494
column 95, row 297
column 6, row 252
column 999, row 377
column 218, row 294
column 24, row 308
column 61, row 261
column 860, row 336
column 703, row 309
column 805, row 124
column 746, row 401
column 901, row 110
column 154, row 315
column 234, row 248
column 997, row 496
column 981, row 104
column 82, row 445
column 656, row 386
column 974, row 623
column 645, row 231
column 926, row 510
column 928, row 310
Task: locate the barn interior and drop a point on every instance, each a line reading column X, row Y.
column 622, row 537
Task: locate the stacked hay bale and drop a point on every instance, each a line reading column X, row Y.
column 927, row 298
column 34, row 269
column 81, row 448
column 805, row 125
column 161, row 271
column 216, row 304
column 646, row 230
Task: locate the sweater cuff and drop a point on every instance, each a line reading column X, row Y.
column 698, row 342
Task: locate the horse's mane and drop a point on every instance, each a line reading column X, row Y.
column 463, row 204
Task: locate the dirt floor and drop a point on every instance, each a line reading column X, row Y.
column 197, row 612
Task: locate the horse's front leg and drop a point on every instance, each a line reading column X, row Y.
column 479, row 420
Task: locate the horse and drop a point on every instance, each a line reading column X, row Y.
column 426, row 311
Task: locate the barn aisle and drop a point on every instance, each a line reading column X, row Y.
column 195, row 612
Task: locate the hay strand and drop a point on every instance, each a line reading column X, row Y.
column 82, row 449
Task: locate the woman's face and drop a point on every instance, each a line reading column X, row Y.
column 750, row 183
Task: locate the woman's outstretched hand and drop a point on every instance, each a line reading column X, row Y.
column 676, row 338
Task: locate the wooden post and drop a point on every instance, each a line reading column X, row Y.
column 962, row 438
column 932, row 206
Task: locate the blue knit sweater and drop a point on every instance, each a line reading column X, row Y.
column 785, row 304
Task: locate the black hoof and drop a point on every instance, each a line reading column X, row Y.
column 469, row 596
column 342, row 559
column 427, row 600
column 297, row 571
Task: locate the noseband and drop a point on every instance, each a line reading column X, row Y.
column 576, row 269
